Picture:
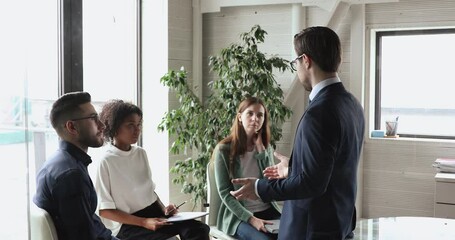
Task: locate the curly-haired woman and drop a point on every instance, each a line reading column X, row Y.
column 128, row 203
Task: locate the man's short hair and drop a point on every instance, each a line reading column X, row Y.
column 322, row 45
column 67, row 107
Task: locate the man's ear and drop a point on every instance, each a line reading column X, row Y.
column 307, row 61
column 71, row 127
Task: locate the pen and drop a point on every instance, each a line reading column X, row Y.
column 168, row 214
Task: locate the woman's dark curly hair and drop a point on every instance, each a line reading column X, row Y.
column 113, row 114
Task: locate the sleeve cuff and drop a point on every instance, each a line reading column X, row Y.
column 256, row 188
column 107, row 205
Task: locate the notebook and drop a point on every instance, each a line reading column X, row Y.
column 273, row 228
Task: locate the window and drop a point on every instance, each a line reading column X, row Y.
column 110, row 49
column 34, row 76
column 29, row 72
column 414, row 82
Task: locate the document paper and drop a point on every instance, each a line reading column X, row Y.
column 182, row 216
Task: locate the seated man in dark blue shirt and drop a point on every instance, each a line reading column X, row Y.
column 64, row 187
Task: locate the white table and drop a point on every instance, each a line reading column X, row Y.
column 405, row 228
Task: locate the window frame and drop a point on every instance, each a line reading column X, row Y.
column 377, row 78
column 71, row 65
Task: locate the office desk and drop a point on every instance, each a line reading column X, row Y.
column 405, row 228
column 444, row 195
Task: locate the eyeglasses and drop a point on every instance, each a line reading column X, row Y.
column 294, row 62
column 94, row 117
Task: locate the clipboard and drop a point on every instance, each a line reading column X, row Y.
column 182, row 216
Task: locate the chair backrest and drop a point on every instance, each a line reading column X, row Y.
column 212, row 195
column 41, row 225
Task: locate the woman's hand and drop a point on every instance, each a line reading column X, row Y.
column 155, row 223
column 279, row 170
column 170, row 210
column 258, row 223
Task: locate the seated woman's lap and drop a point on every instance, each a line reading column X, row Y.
column 190, row 229
column 247, row 231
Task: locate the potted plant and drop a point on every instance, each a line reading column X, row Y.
column 242, row 70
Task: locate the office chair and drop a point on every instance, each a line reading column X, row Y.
column 41, row 225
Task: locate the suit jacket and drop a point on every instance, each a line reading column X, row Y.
column 320, row 190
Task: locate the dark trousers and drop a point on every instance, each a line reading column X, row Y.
column 187, row 230
column 268, row 214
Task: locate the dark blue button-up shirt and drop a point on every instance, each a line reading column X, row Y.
column 65, row 190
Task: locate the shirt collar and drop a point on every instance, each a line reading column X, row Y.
column 322, row 84
column 76, row 152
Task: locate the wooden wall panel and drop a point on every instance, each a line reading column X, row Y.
column 411, row 12
column 180, row 20
column 398, row 177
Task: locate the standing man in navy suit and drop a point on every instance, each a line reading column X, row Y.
column 321, row 183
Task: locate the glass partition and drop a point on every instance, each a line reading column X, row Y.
column 29, row 67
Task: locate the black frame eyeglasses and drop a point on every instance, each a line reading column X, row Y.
column 294, row 62
column 94, row 117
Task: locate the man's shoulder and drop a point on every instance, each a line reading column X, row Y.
column 58, row 170
column 62, row 158
column 61, row 163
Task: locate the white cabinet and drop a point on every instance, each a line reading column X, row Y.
column 444, row 195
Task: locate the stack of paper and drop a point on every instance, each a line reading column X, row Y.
column 445, row 165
